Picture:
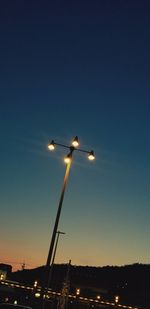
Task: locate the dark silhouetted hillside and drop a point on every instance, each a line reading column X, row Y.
column 130, row 282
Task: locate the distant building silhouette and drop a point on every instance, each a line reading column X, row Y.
column 5, row 270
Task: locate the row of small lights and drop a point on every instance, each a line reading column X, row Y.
column 37, row 294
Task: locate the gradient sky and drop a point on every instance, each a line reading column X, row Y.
column 66, row 69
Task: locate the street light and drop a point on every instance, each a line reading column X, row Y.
column 78, row 291
column 91, row 155
column 51, row 146
column 35, row 284
column 75, row 142
column 116, row 300
column 68, row 161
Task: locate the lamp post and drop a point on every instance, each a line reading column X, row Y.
column 68, row 160
column 53, row 259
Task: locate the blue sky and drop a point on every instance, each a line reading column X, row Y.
column 75, row 69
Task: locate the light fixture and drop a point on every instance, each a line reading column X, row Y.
column 51, row 146
column 116, row 299
column 75, row 142
column 67, row 159
column 78, row 291
column 35, row 284
column 91, row 155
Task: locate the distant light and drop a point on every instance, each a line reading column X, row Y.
column 15, row 302
column 1, row 276
column 75, row 142
column 51, row 146
column 116, row 299
column 98, row 297
column 78, row 291
column 91, row 155
column 67, row 159
column 35, row 284
column 37, row 295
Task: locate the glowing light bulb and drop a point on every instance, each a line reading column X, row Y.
column 67, row 159
column 75, row 142
column 51, row 146
column 91, row 156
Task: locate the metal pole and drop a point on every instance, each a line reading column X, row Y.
column 49, row 258
column 50, row 253
column 52, row 264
